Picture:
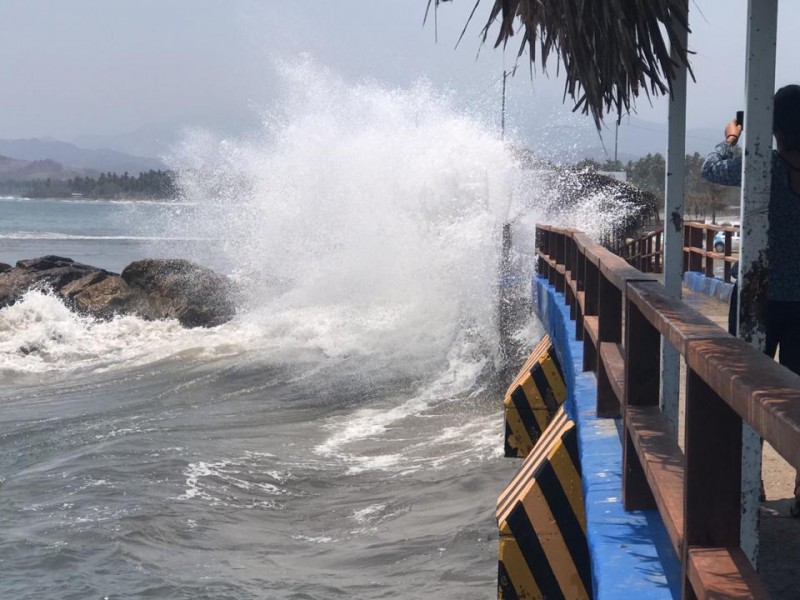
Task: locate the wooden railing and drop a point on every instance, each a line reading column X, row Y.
column 621, row 315
column 646, row 252
column 699, row 253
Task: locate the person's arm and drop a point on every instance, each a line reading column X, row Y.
column 722, row 166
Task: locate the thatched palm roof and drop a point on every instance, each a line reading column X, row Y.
column 611, row 50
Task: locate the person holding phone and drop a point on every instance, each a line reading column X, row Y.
column 723, row 166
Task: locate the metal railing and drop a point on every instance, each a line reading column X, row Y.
column 621, row 315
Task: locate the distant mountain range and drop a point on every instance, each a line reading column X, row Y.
column 12, row 169
column 39, row 158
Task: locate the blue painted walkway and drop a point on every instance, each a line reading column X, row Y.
column 631, row 554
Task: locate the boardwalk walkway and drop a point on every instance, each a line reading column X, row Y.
column 779, row 560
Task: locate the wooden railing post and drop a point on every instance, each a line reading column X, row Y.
column 540, row 262
column 695, row 241
column 609, row 330
column 569, row 266
column 709, row 247
column 551, row 252
column 559, row 253
column 687, row 238
column 642, row 379
column 590, row 302
column 609, row 311
column 712, row 492
column 658, row 252
column 580, row 286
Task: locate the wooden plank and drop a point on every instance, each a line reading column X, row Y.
column 573, row 283
column 581, row 297
column 590, row 326
column 592, row 288
column 611, row 355
column 593, row 254
column 551, row 262
column 609, row 309
column 663, row 465
column 619, row 272
column 674, row 320
column 713, row 445
column 723, row 573
column 583, row 241
column 642, row 382
column 764, row 393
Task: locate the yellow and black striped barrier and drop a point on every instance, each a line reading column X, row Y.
column 533, row 399
column 542, row 522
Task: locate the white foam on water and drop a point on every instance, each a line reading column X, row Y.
column 40, row 334
column 238, row 482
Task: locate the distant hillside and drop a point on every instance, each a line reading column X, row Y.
column 75, row 158
column 12, row 169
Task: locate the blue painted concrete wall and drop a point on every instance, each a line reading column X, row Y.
column 631, row 554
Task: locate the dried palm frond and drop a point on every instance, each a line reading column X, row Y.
column 610, row 49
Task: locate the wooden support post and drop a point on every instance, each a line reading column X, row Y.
column 709, row 247
column 609, row 311
column 695, row 241
column 658, row 250
column 642, row 378
column 580, row 279
column 569, row 265
column 542, row 247
column 592, row 290
column 559, row 256
column 712, row 488
column 609, row 330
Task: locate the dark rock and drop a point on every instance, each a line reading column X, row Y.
column 47, row 272
column 112, row 296
column 71, row 290
column 151, row 289
column 5, row 267
column 180, row 289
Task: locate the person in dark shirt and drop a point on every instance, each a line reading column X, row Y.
column 783, row 236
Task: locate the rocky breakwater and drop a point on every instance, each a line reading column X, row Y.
column 151, row 289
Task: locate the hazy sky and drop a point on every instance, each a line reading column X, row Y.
column 100, row 67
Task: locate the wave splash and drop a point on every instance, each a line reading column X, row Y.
column 367, row 217
column 360, row 221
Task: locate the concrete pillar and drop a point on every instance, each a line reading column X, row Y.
column 673, row 229
column 762, row 17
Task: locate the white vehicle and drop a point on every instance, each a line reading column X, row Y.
column 719, row 241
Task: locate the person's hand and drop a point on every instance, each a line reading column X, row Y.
column 732, row 132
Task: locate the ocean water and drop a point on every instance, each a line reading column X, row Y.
column 342, row 436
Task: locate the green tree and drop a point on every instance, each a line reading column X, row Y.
column 648, row 173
